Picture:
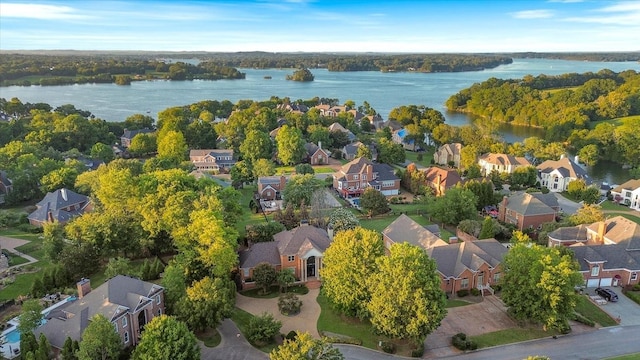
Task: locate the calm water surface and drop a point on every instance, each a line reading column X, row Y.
column 383, row 91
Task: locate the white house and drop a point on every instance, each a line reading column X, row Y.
column 628, row 194
column 501, row 163
column 556, row 175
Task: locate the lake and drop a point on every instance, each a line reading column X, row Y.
column 384, row 91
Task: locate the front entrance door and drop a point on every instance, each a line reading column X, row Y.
column 311, row 266
column 481, row 279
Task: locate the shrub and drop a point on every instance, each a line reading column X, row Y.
column 581, row 319
column 291, row 335
column 262, row 329
column 342, row 339
column 633, row 296
column 289, row 304
column 475, row 292
column 461, row 342
column 29, row 228
column 462, row 293
column 388, row 347
column 636, row 287
column 418, row 351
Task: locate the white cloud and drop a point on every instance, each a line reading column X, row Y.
column 533, row 14
column 622, row 13
column 40, row 11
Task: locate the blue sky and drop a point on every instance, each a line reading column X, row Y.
column 322, row 26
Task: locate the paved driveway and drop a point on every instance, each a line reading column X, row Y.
column 625, row 308
column 567, row 206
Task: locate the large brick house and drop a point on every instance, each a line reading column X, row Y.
column 501, row 163
column 461, row 265
column 59, row 206
column 628, row 193
column 441, row 180
column 128, row 135
column 128, row 303
column 556, row 175
column 316, row 155
column 356, row 176
column 448, row 153
column 528, row 211
column 270, row 187
column 212, row 159
column 300, row 249
column 616, row 230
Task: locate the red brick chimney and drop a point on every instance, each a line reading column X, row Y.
column 283, row 182
column 84, row 287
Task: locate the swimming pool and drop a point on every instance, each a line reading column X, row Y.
column 13, row 336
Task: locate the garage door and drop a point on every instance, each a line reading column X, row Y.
column 593, row 283
column 606, row 282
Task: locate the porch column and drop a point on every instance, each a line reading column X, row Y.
column 304, row 270
column 319, row 267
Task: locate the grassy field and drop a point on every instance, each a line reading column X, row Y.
column 509, row 336
column 592, row 312
column 635, row 356
column 288, row 170
column 451, row 303
column 612, row 206
column 427, row 156
column 334, row 322
column 616, row 121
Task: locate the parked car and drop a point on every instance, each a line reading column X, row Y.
column 607, row 294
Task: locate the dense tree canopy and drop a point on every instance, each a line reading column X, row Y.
column 99, row 340
column 165, row 338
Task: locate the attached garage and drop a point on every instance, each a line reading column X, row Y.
column 593, row 283
column 606, row 282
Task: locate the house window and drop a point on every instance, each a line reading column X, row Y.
column 464, row 283
column 364, row 177
column 126, row 337
column 627, row 194
column 245, row 272
column 355, row 177
column 158, row 299
column 291, row 258
column 124, row 321
column 634, row 276
column 595, row 270
column 496, row 277
column 159, row 312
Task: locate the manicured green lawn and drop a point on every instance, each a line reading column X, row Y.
column 242, row 318
column 15, row 259
column 612, row 206
column 287, row 170
column 427, row 156
column 451, row 303
column 592, row 312
column 333, row 322
column 509, row 336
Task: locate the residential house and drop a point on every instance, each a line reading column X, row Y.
column 528, row 211
column 501, row 163
column 294, row 108
column 617, row 230
column 405, row 229
column 393, row 125
column 128, row 303
column 400, row 137
column 61, row 205
column 270, row 187
column 628, row 194
column 441, row 180
column 607, row 265
column 469, row 264
column 337, row 127
column 300, row 249
column 357, row 116
column 350, row 151
column 448, row 154
column 556, row 175
column 357, row 175
column 128, row 135
column 377, row 122
column 212, row 159
column 316, row 155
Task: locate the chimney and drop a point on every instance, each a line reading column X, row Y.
column 283, row 182
column 601, row 230
column 84, row 287
column 50, row 216
column 63, row 192
column 561, row 156
column 319, row 144
column 304, row 222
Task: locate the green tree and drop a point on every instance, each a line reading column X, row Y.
column 102, row 152
column 351, row 259
column 589, row 154
column 575, row 188
column 174, row 282
column 550, row 274
column 118, row 266
column 374, row 202
column 30, row 316
column 390, row 152
column 590, row 195
column 518, row 237
column 487, row 230
column 207, row 303
column 44, row 348
column 300, row 188
column 587, row 214
column 263, row 328
column 53, row 240
column 285, row 278
column 166, row 338
column 256, row 145
column 406, row 299
column 138, row 122
column 264, row 275
column 63, row 177
column 143, row 144
column 304, row 347
column 525, row 176
column 290, row 145
column 99, row 340
column 301, row 75
column 242, row 172
column 364, row 151
column 456, row 205
column 263, row 167
column 28, row 342
column 172, row 146
column 302, row 169
column 68, row 350
column 342, row 219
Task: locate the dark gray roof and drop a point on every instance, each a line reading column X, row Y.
column 259, row 253
column 4, row 178
column 566, row 168
column 55, row 201
column 385, row 172
column 268, row 180
column 301, row 239
column 572, row 233
column 532, row 204
column 405, row 229
column 115, row 297
column 130, row 134
column 614, row 256
column 453, row 259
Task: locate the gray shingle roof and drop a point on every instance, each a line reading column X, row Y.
column 299, row 240
column 532, row 204
column 453, row 259
column 405, row 229
column 259, row 253
column 55, row 202
column 614, row 256
column 566, row 167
